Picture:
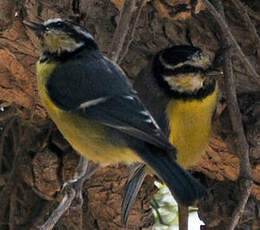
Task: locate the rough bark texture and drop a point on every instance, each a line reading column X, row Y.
column 35, row 160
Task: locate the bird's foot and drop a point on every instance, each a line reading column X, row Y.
column 83, row 172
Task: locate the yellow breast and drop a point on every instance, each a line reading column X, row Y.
column 190, row 127
column 87, row 137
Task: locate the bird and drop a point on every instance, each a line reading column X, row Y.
column 94, row 106
column 179, row 90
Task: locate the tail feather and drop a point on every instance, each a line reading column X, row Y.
column 132, row 187
column 183, row 186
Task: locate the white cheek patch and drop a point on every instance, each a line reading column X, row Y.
column 172, row 85
column 196, row 82
column 71, row 47
column 59, row 42
column 184, row 83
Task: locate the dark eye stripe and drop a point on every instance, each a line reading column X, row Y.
column 57, row 25
column 181, row 70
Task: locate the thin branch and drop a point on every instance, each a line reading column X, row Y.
column 223, row 25
column 53, row 6
column 132, row 30
column 183, row 213
column 12, row 210
column 155, row 207
column 122, row 29
column 4, row 133
column 243, row 12
column 245, row 174
column 10, row 186
column 59, row 211
column 70, row 194
column 47, row 207
column 3, row 179
column 252, row 13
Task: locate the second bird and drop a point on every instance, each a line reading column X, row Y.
column 181, row 94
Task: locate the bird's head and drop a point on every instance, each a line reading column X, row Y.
column 183, row 69
column 58, row 36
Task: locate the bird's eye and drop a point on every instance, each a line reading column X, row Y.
column 60, row 25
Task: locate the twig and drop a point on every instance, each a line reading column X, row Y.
column 53, row 6
column 245, row 174
column 58, row 212
column 243, row 12
column 183, row 213
column 132, row 30
column 12, row 210
column 69, row 196
column 10, row 186
column 4, row 179
column 155, row 207
column 252, row 13
column 122, row 29
column 47, row 207
column 4, row 133
column 223, row 25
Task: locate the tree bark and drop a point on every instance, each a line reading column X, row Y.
column 35, row 160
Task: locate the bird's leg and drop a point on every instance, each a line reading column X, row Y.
column 83, row 172
column 183, row 212
column 80, row 177
column 72, row 190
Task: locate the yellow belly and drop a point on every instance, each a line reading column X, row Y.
column 190, row 125
column 87, row 137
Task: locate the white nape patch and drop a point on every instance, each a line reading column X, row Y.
column 70, row 48
column 52, row 20
column 149, row 120
column 92, row 102
column 84, row 32
column 129, row 97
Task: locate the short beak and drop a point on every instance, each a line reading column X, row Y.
column 38, row 28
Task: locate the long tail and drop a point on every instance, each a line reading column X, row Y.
column 132, row 187
column 183, row 186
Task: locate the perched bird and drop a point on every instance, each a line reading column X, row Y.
column 181, row 94
column 96, row 109
column 178, row 89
